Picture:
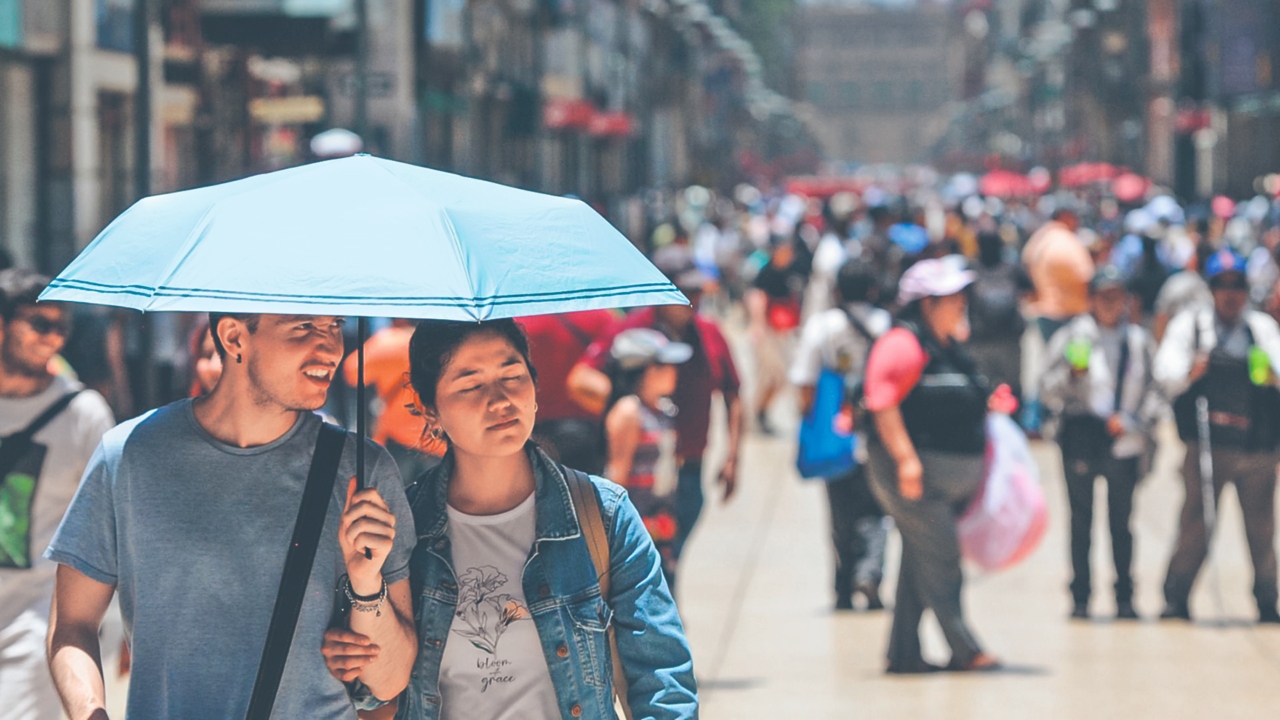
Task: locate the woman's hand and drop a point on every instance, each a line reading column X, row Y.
column 1002, row 401
column 911, row 478
column 366, row 534
column 347, row 653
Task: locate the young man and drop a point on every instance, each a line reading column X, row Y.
column 709, row 371
column 1097, row 384
column 187, row 512
column 840, row 339
column 1228, row 355
column 40, row 468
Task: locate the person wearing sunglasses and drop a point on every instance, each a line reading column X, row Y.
column 1229, row 357
column 50, row 426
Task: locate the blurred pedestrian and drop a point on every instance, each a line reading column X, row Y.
column 399, row 425
column 1229, row 357
column 206, row 364
column 710, row 371
column 926, row 452
column 773, row 311
column 840, row 339
column 574, row 434
column 641, row 424
column 1098, row 388
column 50, row 425
column 995, row 313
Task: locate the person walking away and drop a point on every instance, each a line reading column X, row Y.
column 926, row 450
column 1184, row 290
column 1060, row 268
column 711, row 370
column 399, row 426
column 840, row 339
column 642, row 433
column 50, row 425
column 187, row 512
column 995, row 313
column 773, row 311
column 555, row 343
column 1229, row 356
column 514, row 618
column 1098, row 388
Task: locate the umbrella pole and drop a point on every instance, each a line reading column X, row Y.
column 362, row 407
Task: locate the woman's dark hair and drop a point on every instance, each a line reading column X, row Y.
column 435, row 342
column 622, row 383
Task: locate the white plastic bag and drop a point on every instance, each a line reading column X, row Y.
column 1008, row 518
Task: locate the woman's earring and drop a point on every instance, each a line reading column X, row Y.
column 239, row 358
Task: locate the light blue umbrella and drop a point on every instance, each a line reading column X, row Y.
column 362, row 236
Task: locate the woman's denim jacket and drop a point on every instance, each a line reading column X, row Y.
column 563, row 595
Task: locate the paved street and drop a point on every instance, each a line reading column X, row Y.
column 756, row 602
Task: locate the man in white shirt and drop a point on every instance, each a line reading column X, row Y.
column 1229, row 356
column 840, row 339
column 50, row 426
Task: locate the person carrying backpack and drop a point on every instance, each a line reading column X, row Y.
column 995, row 314
column 1221, row 365
column 1098, row 388
column 840, row 339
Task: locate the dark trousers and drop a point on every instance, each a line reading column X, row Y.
column 1254, row 475
column 930, row 577
column 689, row 501
column 1085, row 457
column 858, row 532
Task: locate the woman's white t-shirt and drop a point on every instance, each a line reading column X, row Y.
column 493, row 666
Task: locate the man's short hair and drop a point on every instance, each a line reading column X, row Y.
column 19, row 288
column 250, row 321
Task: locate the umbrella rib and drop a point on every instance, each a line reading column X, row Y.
column 448, row 221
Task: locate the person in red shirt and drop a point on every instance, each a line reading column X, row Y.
column 574, row 433
column 709, row 371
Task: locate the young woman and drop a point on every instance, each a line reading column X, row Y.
column 506, row 599
column 641, row 430
column 926, row 453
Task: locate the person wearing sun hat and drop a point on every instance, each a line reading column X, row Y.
column 1229, row 355
column 640, row 426
column 926, row 446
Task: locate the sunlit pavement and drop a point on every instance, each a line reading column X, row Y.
column 755, row 595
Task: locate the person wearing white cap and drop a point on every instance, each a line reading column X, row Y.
column 640, row 426
column 926, row 449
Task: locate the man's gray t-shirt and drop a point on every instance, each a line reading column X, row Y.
column 193, row 533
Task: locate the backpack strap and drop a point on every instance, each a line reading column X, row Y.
column 587, row 506
column 13, row 447
column 297, row 568
column 1123, row 368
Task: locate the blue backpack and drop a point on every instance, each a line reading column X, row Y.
column 825, row 451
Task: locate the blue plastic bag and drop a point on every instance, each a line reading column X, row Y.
column 825, row 450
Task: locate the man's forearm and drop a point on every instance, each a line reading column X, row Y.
column 393, row 632
column 75, row 661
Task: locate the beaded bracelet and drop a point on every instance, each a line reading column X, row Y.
column 365, row 603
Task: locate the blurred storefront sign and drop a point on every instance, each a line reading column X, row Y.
column 445, row 26
column 10, row 23
column 611, row 124
column 295, row 8
column 287, row 110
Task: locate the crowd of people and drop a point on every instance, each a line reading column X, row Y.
column 1089, row 320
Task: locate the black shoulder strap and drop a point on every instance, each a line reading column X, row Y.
column 49, row 414
column 297, row 569
column 1123, row 368
column 857, row 325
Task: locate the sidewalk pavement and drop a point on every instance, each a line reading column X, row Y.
column 755, row 595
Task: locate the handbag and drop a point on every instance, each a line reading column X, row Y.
column 587, row 506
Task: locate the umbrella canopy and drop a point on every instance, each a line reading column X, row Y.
column 1006, row 184
column 362, row 236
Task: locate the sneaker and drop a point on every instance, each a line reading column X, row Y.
column 1125, row 611
column 1175, row 611
column 1080, row 611
column 763, row 425
column 1268, row 616
column 844, row 602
